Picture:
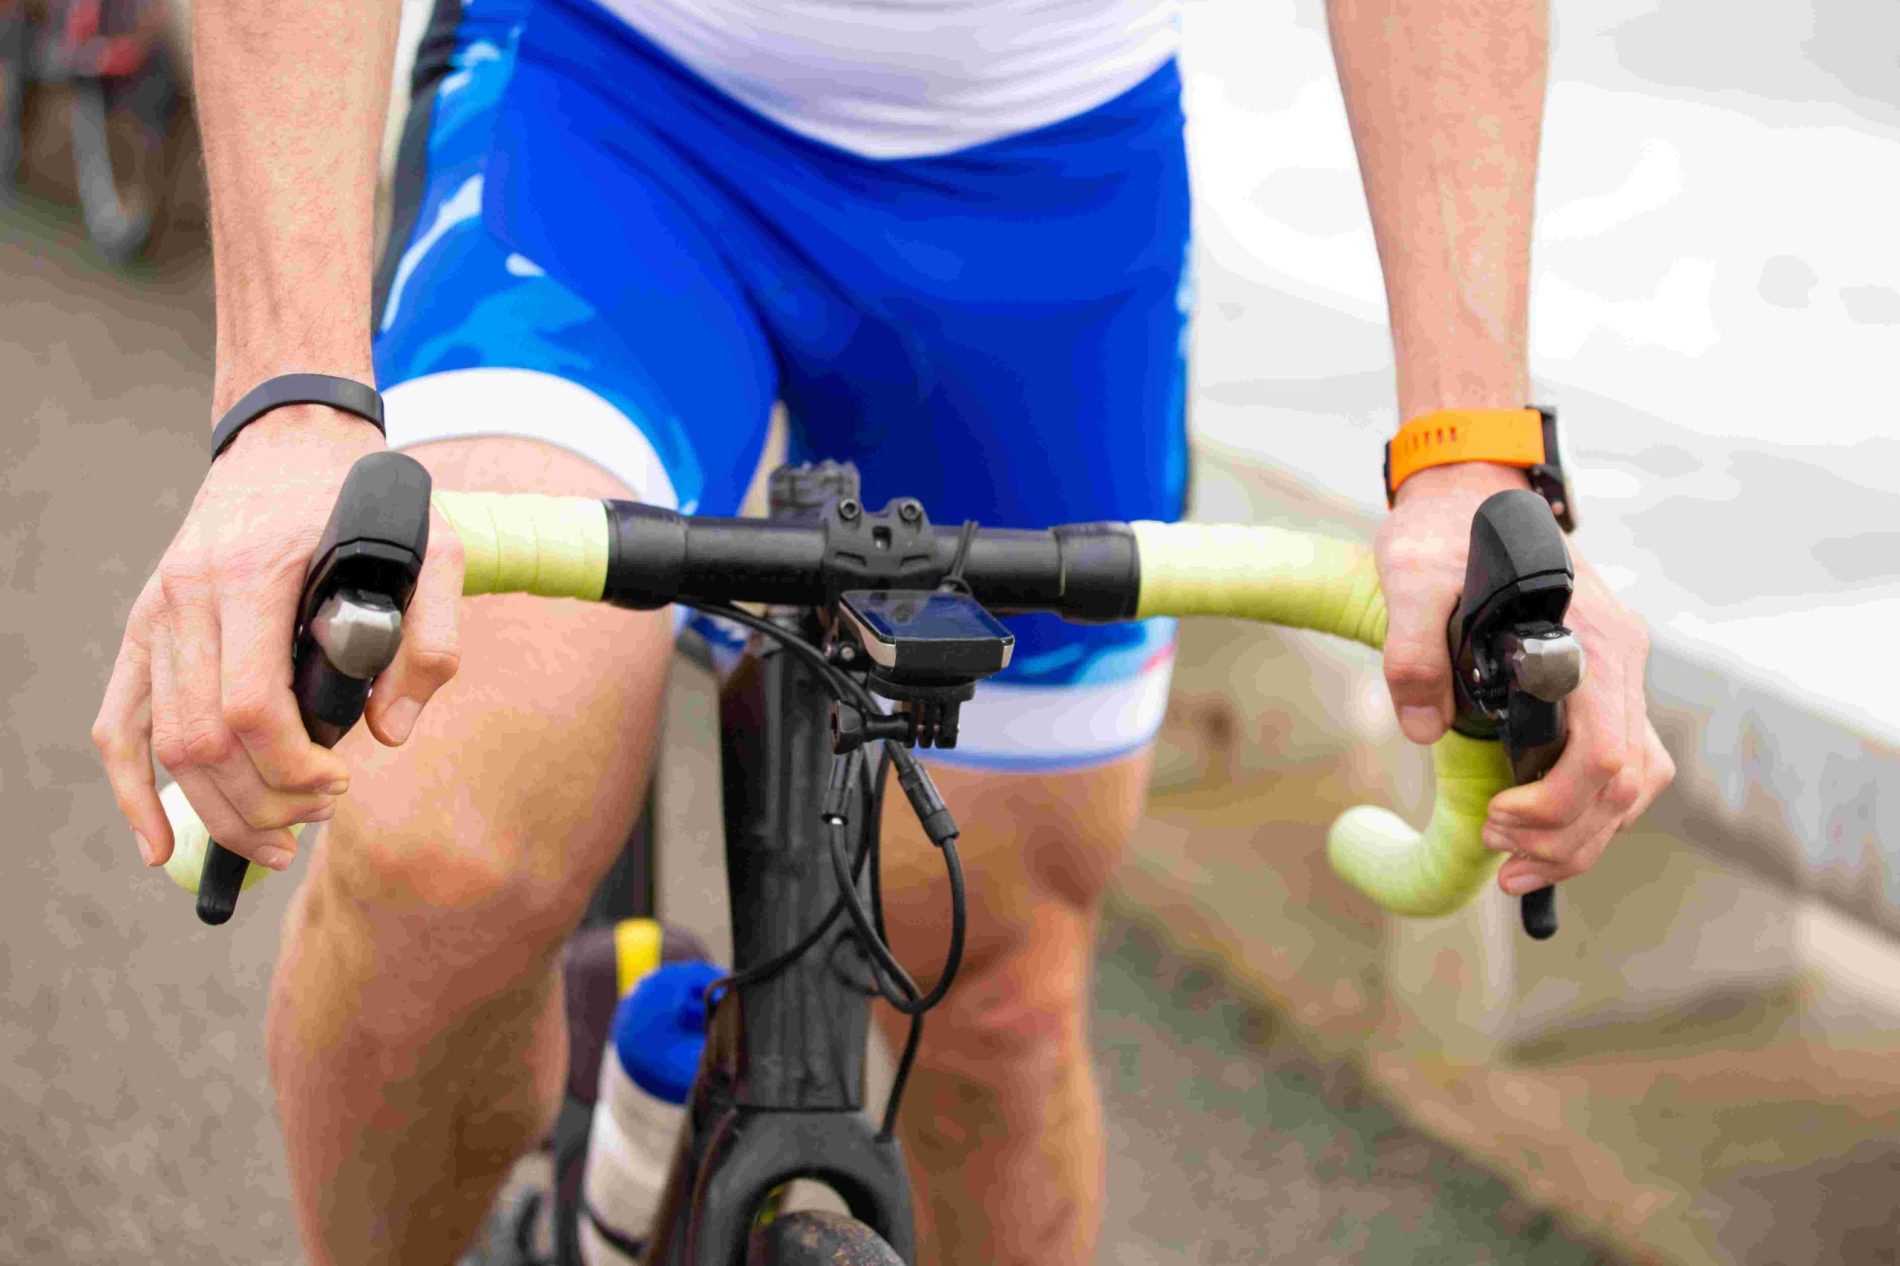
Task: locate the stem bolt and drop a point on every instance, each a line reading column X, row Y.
column 848, row 509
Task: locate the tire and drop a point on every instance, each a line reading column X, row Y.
column 14, row 36
column 819, row 1239
column 119, row 230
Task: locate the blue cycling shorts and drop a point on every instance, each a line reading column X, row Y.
column 595, row 248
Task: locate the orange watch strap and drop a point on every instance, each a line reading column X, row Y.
column 1510, row 437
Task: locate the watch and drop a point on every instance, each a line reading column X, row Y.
column 1526, row 438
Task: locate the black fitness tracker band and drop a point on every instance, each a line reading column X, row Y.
column 274, row 393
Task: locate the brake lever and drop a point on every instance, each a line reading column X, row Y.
column 349, row 625
column 1513, row 660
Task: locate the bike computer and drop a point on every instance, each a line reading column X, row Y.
column 927, row 633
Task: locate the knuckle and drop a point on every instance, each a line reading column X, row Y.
column 1548, row 853
column 262, row 818
column 435, row 665
column 1411, row 671
column 1408, row 550
column 209, row 746
column 247, row 713
column 151, row 598
column 1543, row 815
column 1626, row 788
column 181, row 579
column 1603, row 762
column 1537, row 846
column 171, row 751
column 277, row 813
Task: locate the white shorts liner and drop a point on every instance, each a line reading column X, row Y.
column 470, row 403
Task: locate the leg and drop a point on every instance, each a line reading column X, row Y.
column 1002, row 1119
column 415, row 1031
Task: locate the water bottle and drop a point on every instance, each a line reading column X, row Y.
column 659, row 1030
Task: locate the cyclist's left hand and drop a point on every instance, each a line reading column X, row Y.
column 1614, row 764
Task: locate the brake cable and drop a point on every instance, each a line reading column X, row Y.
column 953, row 579
column 889, row 979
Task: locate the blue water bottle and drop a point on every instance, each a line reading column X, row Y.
column 658, row 1034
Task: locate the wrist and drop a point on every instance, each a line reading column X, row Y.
column 1476, row 480
column 1476, row 374
column 313, row 430
column 236, row 377
column 332, row 395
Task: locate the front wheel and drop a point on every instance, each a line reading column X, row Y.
column 15, row 40
column 117, row 212
column 811, row 1238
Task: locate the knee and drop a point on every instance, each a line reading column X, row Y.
column 1040, row 853
column 1070, row 830
column 468, row 882
column 1016, row 1014
column 1073, row 857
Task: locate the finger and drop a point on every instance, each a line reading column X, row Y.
column 225, row 825
column 194, row 689
column 274, row 848
column 168, row 736
column 1594, row 754
column 1527, row 874
column 1417, row 661
column 122, row 733
column 1659, row 770
column 430, row 652
column 1560, row 844
column 211, row 747
column 239, row 811
column 1639, row 734
column 257, row 704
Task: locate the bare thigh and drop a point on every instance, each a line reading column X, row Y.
column 480, row 839
column 1038, row 851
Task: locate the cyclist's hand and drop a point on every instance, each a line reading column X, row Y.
column 202, row 679
column 1614, row 764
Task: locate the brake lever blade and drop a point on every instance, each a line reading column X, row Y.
column 1534, row 733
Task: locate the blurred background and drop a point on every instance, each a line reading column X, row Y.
column 1701, row 1068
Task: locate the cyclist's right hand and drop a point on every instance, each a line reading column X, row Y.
column 203, row 677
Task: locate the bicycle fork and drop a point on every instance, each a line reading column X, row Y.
column 780, row 1088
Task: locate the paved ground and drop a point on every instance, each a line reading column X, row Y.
column 1231, row 1143
column 132, row 1096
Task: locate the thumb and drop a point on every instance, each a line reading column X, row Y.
column 1417, row 660
column 430, row 651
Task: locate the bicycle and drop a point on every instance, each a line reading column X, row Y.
column 113, row 59
column 863, row 606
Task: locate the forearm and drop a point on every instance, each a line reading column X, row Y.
column 1446, row 101
column 291, row 97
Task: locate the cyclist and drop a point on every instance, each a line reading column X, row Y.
column 953, row 241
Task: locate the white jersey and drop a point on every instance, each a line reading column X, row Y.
column 903, row 78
